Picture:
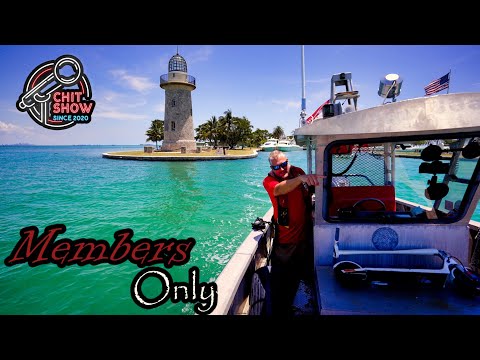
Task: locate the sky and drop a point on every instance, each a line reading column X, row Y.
column 261, row 82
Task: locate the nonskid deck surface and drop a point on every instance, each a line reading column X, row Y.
column 384, row 298
column 305, row 302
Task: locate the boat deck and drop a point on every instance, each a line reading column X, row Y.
column 376, row 299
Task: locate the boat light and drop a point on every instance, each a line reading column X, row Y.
column 390, row 86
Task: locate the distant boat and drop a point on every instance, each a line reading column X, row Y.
column 287, row 145
column 419, row 147
column 269, row 145
column 283, row 145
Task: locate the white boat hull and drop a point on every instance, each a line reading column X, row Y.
column 268, row 148
column 289, row 148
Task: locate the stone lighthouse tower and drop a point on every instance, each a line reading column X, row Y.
column 178, row 122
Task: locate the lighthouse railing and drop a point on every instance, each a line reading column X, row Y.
column 188, row 79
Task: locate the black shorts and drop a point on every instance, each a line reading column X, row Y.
column 296, row 258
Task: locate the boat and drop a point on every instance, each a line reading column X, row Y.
column 388, row 239
column 269, row 145
column 283, row 145
column 408, row 148
column 288, row 145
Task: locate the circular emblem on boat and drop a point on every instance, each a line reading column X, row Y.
column 385, row 239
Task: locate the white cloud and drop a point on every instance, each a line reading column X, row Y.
column 111, row 96
column 159, row 108
column 137, row 83
column 118, row 115
column 12, row 128
column 114, row 99
column 115, row 105
column 14, row 134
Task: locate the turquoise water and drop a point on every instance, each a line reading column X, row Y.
column 214, row 202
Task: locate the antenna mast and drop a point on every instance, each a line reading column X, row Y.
column 303, row 113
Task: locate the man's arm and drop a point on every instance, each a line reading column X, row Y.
column 285, row 186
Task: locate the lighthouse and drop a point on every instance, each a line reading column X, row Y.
column 178, row 121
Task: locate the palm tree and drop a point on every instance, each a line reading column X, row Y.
column 225, row 127
column 212, row 126
column 278, row 132
column 241, row 131
column 258, row 137
column 155, row 132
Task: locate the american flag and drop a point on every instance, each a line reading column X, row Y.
column 438, row 85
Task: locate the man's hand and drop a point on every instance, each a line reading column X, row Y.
column 286, row 186
column 312, row 179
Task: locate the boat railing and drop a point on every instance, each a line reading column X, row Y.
column 234, row 282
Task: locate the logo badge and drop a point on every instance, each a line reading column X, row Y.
column 57, row 94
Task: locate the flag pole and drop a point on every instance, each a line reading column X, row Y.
column 303, row 113
column 449, row 81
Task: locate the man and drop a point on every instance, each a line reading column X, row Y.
column 290, row 191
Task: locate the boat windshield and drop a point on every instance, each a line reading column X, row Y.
column 403, row 179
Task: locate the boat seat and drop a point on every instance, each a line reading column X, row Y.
column 346, row 95
column 346, row 196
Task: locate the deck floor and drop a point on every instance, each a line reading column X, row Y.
column 372, row 299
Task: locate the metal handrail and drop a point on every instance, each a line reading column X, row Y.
column 164, row 79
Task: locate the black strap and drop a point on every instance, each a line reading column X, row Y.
column 274, row 238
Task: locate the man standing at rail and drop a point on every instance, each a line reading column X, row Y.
column 290, row 191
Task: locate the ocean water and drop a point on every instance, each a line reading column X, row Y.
column 213, row 202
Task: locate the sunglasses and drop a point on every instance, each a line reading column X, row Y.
column 282, row 165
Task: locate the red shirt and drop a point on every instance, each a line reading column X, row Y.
column 296, row 202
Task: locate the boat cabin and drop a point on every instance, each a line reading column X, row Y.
column 393, row 229
column 392, row 216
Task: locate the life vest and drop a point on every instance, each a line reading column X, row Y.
column 282, row 200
